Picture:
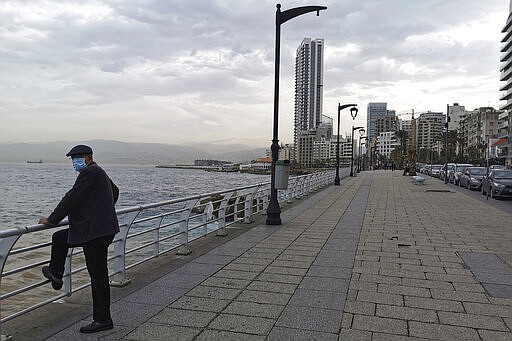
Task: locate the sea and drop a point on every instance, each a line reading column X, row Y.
column 31, row 190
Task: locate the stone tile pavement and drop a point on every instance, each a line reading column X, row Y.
column 377, row 258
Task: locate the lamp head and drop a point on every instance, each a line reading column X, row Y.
column 353, row 112
column 361, row 132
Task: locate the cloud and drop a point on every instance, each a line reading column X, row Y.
column 193, row 70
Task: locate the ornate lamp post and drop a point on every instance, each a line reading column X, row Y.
column 359, row 162
column 353, row 112
column 273, row 209
column 352, row 148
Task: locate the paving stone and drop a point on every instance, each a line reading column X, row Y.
column 381, row 279
column 488, row 309
column 285, row 270
column 200, row 303
column 498, row 290
column 214, row 259
column 433, row 304
column 279, row 278
column 214, row 292
column 175, row 280
column 184, row 318
column 194, row 268
column 489, row 335
column 380, row 324
column 318, row 299
column 264, row 297
column 247, row 260
column 131, row 313
column 236, row 274
column 285, row 288
column 220, row 335
column 355, row 335
column 494, row 277
column 254, row 309
column 324, row 284
column 394, row 337
column 245, row 267
column 362, row 285
column 346, row 320
column 406, row 313
column 281, row 333
column 377, row 297
column 403, row 290
column 441, row 332
column 226, row 282
column 472, row 321
column 471, row 287
column 156, row 295
column 162, row 332
column 329, row 271
column 242, row 324
column 450, row 278
column 315, row 319
column 361, row 308
column 463, row 296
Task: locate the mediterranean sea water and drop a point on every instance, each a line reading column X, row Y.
column 29, row 191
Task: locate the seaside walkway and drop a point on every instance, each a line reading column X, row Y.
column 377, row 258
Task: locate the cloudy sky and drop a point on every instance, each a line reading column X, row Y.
column 186, row 71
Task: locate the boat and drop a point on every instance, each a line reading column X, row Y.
column 35, row 161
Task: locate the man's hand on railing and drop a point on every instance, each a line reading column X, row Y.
column 44, row 221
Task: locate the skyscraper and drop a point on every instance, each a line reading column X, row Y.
column 374, row 110
column 309, row 76
column 506, row 76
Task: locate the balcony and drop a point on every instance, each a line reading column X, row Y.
column 506, row 96
column 503, row 115
column 505, row 75
column 507, row 105
column 503, row 125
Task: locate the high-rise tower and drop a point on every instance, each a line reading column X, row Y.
column 506, row 77
column 309, row 76
column 375, row 110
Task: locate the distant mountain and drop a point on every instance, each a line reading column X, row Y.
column 117, row 152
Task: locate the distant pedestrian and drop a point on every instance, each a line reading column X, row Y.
column 392, row 166
column 89, row 206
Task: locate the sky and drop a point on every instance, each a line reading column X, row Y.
column 197, row 71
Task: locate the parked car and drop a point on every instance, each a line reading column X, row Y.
column 497, row 167
column 472, row 177
column 442, row 172
column 434, row 170
column 457, row 171
column 498, row 183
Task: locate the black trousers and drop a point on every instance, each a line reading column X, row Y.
column 95, row 252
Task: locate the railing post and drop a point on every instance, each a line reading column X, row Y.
column 221, row 232
column 248, row 206
column 6, row 245
column 119, row 278
column 185, row 216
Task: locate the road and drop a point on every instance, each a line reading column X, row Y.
column 502, row 204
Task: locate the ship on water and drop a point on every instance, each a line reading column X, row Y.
column 35, row 161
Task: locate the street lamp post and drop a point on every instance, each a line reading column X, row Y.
column 341, row 107
column 352, row 149
column 273, row 209
column 359, row 162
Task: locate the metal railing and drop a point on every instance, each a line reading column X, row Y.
column 146, row 232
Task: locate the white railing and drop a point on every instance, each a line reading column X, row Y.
column 146, row 232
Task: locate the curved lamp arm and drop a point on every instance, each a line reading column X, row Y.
column 282, row 17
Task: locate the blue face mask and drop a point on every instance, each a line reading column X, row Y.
column 79, row 164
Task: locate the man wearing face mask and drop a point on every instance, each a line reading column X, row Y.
column 89, row 206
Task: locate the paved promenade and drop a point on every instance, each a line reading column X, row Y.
column 377, row 258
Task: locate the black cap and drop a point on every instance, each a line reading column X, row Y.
column 81, row 149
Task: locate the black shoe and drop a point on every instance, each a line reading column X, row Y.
column 97, row 326
column 56, row 282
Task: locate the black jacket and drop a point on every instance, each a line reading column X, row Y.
column 89, row 206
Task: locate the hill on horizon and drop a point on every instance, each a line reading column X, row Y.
column 117, row 152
